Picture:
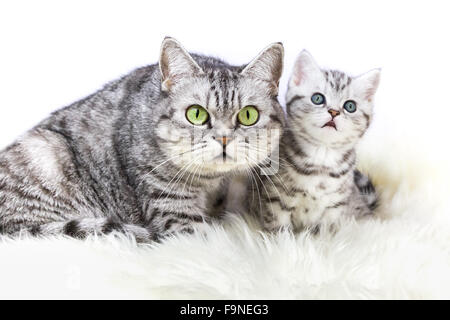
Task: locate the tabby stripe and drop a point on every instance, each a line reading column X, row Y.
column 72, row 229
column 226, row 94
column 208, row 96
column 337, row 205
column 155, row 212
column 161, row 194
column 77, row 163
column 232, row 99
column 19, row 180
column 373, row 205
column 169, row 223
column 111, row 225
column 341, row 173
column 275, row 118
column 300, row 170
column 293, row 99
column 155, row 174
column 163, row 117
column 347, row 156
column 366, row 116
column 36, row 209
column 8, row 192
column 311, row 140
column 35, row 230
column 367, row 189
column 293, row 144
column 216, row 93
column 282, row 205
column 182, row 215
column 296, row 191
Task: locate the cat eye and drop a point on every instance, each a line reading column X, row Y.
column 318, row 98
column 350, row 106
column 197, row 115
column 248, row 116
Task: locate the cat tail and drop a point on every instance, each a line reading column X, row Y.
column 366, row 189
column 83, row 227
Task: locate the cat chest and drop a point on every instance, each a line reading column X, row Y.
column 313, row 194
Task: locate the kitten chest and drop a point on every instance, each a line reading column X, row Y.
column 310, row 197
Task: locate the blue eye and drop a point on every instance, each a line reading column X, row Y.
column 318, row 98
column 350, row 106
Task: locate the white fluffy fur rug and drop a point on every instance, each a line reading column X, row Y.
column 402, row 253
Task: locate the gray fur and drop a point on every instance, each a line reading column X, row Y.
column 318, row 182
column 113, row 161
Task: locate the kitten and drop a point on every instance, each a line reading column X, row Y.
column 148, row 154
column 328, row 113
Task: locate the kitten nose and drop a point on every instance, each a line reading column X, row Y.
column 334, row 113
column 224, row 140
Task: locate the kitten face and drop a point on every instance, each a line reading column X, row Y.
column 221, row 140
column 329, row 107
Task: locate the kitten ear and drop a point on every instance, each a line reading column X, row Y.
column 304, row 67
column 268, row 65
column 175, row 62
column 367, row 83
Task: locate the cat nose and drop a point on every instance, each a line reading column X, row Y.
column 334, row 113
column 224, row 140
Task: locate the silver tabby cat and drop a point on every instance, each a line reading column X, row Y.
column 328, row 112
column 148, row 154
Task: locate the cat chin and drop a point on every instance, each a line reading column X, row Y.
column 224, row 167
column 327, row 136
column 322, row 132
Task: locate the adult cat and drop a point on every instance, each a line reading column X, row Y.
column 148, row 153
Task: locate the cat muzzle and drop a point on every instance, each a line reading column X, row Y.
column 330, row 124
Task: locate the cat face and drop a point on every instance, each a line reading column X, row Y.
column 218, row 117
column 329, row 107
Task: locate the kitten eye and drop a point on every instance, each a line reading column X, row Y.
column 248, row 116
column 318, row 98
column 197, row 115
column 350, row 106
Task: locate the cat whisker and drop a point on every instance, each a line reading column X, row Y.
column 268, row 177
column 262, row 183
column 257, row 187
column 276, row 174
column 172, row 182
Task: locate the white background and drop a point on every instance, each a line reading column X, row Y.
column 55, row 52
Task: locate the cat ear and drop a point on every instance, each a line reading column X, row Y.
column 175, row 63
column 268, row 65
column 304, row 67
column 367, row 83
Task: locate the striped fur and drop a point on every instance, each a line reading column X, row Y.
column 127, row 159
column 318, row 182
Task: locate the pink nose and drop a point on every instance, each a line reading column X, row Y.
column 224, row 140
column 334, row 113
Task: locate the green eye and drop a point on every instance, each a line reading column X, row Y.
column 350, row 106
column 197, row 115
column 318, row 98
column 248, row 116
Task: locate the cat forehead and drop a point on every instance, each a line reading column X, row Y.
column 221, row 90
column 338, row 81
column 335, row 84
column 224, row 90
column 222, row 78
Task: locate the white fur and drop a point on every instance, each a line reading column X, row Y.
column 402, row 253
column 44, row 150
